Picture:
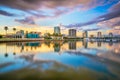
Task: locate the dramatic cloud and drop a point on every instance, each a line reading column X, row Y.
column 39, row 8
column 94, row 29
column 115, row 7
column 105, row 17
column 38, row 4
column 114, row 12
column 6, row 13
column 26, row 21
column 110, row 23
column 114, row 21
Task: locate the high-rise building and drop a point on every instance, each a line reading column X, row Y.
column 57, row 30
column 99, row 34
column 72, row 32
column 85, row 34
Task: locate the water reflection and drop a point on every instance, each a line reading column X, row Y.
column 56, row 46
column 85, row 44
column 59, row 46
column 99, row 44
column 60, row 60
column 72, row 45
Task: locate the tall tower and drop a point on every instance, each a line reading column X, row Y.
column 57, row 30
column 99, row 34
column 85, row 34
column 72, row 32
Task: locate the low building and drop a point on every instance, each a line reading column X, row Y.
column 19, row 34
column 33, row 35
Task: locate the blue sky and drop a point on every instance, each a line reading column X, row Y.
column 83, row 14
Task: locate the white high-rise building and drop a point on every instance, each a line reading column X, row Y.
column 57, row 30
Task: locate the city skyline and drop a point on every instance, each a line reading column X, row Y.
column 91, row 15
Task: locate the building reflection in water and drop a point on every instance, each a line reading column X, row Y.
column 85, row 44
column 72, row 45
column 57, row 47
column 44, row 60
column 99, row 44
column 32, row 45
column 20, row 47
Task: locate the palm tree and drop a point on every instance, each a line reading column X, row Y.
column 6, row 28
column 14, row 29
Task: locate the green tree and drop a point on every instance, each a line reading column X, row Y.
column 14, row 29
column 6, row 28
column 0, row 36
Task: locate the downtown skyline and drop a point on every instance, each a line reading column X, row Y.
column 42, row 15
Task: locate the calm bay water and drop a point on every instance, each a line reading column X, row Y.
column 59, row 60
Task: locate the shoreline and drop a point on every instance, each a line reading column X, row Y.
column 24, row 40
column 39, row 39
column 19, row 40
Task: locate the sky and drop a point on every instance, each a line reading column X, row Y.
column 43, row 15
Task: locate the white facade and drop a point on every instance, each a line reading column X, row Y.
column 57, row 30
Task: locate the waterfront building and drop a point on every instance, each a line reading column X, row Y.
column 33, row 35
column 57, row 30
column 85, row 34
column 19, row 34
column 99, row 34
column 72, row 32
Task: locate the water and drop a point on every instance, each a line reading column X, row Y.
column 60, row 60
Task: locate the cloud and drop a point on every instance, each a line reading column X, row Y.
column 113, row 20
column 94, row 29
column 115, row 7
column 114, row 12
column 110, row 23
column 6, row 13
column 108, row 16
column 26, row 21
column 38, row 8
column 37, row 4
